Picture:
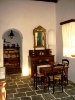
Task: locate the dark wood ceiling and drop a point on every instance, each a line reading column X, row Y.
column 55, row 1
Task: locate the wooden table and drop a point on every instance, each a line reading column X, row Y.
column 46, row 70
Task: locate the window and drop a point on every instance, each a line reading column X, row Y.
column 68, row 34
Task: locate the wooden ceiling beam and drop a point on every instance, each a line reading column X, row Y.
column 55, row 1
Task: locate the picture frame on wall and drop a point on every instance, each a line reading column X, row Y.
column 39, row 37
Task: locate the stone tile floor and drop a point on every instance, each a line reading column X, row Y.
column 20, row 87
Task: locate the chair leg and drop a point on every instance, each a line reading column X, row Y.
column 59, row 83
column 65, row 80
column 53, row 86
column 42, row 80
column 48, row 82
column 34, row 80
column 62, row 86
column 36, row 83
column 62, row 83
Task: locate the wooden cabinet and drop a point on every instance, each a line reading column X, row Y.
column 12, row 59
column 39, row 55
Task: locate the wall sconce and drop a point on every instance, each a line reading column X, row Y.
column 11, row 35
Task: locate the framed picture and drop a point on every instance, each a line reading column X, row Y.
column 39, row 37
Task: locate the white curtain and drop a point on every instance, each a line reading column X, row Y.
column 68, row 34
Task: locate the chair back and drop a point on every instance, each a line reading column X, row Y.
column 65, row 62
column 40, row 63
column 57, row 69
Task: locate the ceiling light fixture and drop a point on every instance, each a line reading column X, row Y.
column 11, row 35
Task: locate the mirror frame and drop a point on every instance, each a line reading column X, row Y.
column 39, row 37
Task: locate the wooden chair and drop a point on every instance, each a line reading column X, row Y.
column 56, row 77
column 65, row 62
column 38, row 77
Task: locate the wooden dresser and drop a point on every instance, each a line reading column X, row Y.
column 39, row 55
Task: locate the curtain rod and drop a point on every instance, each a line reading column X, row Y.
column 68, row 21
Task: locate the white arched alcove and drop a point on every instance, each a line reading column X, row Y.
column 51, row 40
column 51, row 37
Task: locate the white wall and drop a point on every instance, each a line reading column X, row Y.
column 65, row 10
column 25, row 16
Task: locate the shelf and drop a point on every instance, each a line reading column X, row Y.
column 11, row 59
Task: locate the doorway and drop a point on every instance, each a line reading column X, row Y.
column 12, row 51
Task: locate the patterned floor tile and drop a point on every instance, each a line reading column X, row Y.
column 8, row 91
column 42, row 91
column 31, row 93
column 71, row 91
column 19, row 95
column 20, row 87
column 37, row 97
column 59, row 94
column 14, row 99
column 25, row 98
column 10, row 96
column 33, row 88
column 24, row 89
column 69, row 87
column 68, row 98
column 47, row 96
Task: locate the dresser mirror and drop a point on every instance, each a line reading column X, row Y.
column 39, row 37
